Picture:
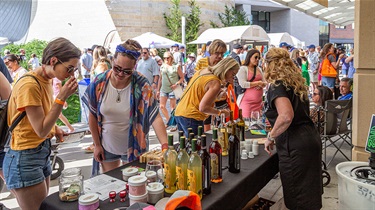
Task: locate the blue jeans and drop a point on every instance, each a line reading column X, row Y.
column 184, row 123
column 24, row 168
column 329, row 82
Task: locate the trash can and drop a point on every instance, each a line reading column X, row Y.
column 355, row 192
column 82, row 86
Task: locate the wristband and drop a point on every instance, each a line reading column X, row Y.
column 270, row 138
column 58, row 101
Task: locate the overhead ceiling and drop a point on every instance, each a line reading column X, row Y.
column 338, row 12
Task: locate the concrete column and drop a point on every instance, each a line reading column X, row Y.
column 364, row 79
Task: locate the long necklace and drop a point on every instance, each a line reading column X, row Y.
column 118, row 99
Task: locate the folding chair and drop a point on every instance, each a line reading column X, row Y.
column 337, row 126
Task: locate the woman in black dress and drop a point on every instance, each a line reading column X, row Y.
column 297, row 140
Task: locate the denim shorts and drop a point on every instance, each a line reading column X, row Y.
column 329, row 81
column 110, row 157
column 24, row 168
column 168, row 95
column 184, row 123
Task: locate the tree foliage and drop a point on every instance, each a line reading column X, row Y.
column 35, row 46
column 231, row 17
column 193, row 23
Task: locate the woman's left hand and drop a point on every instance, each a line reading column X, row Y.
column 268, row 146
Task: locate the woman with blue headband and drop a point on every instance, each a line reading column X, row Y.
column 122, row 107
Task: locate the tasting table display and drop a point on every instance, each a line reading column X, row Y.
column 233, row 192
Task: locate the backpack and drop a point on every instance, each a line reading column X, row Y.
column 5, row 130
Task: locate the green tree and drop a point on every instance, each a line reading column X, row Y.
column 34, row 46
column 231, row 17
column 173, row 21
column 193, row 23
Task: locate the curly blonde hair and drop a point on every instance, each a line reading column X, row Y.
column 280, row 68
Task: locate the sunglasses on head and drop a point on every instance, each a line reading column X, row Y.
column 118, row 70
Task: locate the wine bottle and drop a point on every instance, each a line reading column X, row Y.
column 222, row 135
column 241, row 126
column 206, row 166
column 188, row 143
column 216, row 159
column 170, row 157
column 200, row 133
column 180, row 134
column 194, row 171
column 181, row 166
column 190, row 130
column 234, row 159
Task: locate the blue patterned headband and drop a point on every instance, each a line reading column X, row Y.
column 122, row 49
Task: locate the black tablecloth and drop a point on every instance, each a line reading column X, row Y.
column 233, row 193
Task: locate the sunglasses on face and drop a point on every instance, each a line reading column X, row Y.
column 118, row 70
column 315, row 94
column 69, row 69
column 144, row 53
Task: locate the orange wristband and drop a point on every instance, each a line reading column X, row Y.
column 58, row 101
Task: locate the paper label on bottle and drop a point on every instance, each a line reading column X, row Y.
column 167, row 177
column 180, row 179
column 192, row 181
column 221, row 138
column 214, row 166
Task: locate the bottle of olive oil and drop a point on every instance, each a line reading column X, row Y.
column 170, row 157
column 216, row 159
column 194, row 171
column 222, row 136
column 181, row 166
column 241, row 126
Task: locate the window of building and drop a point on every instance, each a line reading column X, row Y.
column 323, row 33
column 340, row 27
column 261, row 19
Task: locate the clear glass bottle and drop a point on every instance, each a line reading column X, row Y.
column 181, row 166
column 170, row 157
column 70, row 184
column 216, row 159
column 241, row 126
column 222, row 136
column 194, row 171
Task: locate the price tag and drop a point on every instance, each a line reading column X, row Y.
column 370, row 143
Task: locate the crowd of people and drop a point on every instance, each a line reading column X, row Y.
column 129, row 92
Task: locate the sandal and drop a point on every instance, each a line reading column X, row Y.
column 90, row 149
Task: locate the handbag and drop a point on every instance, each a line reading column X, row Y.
column 239, row 90
column 232, row 101
column 327, row 69
column 172, row 119
column 177, row 91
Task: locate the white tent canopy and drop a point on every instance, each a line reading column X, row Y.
column 150, row 39
column 229, row 34
column 277, row 38
column 4, row 40
column 297, row 43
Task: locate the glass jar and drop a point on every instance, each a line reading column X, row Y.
column 70, row 184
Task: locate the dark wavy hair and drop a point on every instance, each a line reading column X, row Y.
column 249, row 55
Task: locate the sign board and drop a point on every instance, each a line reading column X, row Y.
column 370, row 143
